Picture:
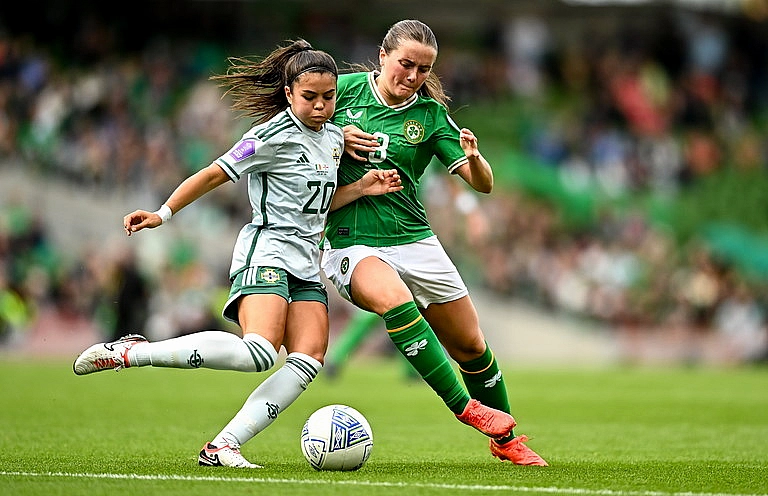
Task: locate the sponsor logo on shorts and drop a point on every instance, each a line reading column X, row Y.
column 344, row 265
column 270, row 276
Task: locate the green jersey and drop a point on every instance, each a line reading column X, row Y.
column 409, row 135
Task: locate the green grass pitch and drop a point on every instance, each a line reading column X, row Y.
column 605, row 432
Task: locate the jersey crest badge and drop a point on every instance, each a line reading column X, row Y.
column 413, row 131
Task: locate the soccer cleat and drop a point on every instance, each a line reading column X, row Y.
column 517, row 452
column 226, row 456
column 104, row 356
column 491, row 422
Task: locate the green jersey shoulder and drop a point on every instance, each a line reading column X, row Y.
column 410, row 136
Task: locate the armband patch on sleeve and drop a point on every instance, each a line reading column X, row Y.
column 242, row 150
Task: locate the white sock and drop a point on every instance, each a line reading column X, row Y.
column 269, row 399
column 219, row 350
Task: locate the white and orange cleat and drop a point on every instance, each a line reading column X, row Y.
column 105, row 356
column 226, row 456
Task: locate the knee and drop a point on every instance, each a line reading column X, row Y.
column 467, row 350
column 377, row 287
column 318, row 355
column 381, row 299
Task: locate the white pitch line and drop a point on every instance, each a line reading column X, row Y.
column 464, row 487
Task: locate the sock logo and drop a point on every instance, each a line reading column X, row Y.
column 195, row 360
column 272, row 410
column 414, row 348
column 493, row 380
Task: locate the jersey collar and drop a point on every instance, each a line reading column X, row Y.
column 301, row 125
column 380, row 99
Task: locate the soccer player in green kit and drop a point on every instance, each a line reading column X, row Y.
column 380, row 252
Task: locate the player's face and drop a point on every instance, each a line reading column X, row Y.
column 404, row 70
column 313, row 98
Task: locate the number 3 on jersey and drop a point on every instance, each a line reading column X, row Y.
column 380, row 154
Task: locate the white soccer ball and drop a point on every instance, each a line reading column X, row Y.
column 336, row 437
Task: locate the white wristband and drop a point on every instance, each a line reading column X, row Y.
column 164, row 212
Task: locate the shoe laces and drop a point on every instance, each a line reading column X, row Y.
column 516, row 443
column 236, row 456
column 116, row 363
column 517, row 452
column 482, row 418
column 522, row 438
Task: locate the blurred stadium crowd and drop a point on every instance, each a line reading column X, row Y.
column 654, row 113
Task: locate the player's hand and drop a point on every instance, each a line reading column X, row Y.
column 468, row 143
column 380, row 182
column 358, row 144
column 140, row 219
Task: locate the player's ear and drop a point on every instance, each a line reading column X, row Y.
column 382, row 56
column 288, row 95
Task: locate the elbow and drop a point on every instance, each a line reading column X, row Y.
column 485, row 188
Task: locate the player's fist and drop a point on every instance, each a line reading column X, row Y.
column 140, row 219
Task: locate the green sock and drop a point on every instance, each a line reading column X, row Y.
column 356, row 330
column 485, row 383
column 417, row 342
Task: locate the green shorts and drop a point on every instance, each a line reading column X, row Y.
column 271, row 280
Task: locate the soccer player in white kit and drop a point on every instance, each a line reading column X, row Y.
column 290, row 160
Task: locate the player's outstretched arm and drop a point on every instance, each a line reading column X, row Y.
column 140, row 219
column 477, row 171
column 375, row 182
column 188, row 191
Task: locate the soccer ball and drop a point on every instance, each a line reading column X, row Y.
column 336, row 437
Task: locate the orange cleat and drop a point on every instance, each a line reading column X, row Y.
column 491, row 422
column 517, row 452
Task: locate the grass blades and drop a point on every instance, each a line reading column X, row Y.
column 605, row 432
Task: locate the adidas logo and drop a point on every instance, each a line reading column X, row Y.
column 493, row 380
column 414, row 348
column 303, row 159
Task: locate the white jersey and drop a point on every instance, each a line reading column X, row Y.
column 291, row 172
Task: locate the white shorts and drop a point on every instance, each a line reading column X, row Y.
column 424, row 267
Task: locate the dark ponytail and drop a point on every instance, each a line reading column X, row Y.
column 256, row 86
